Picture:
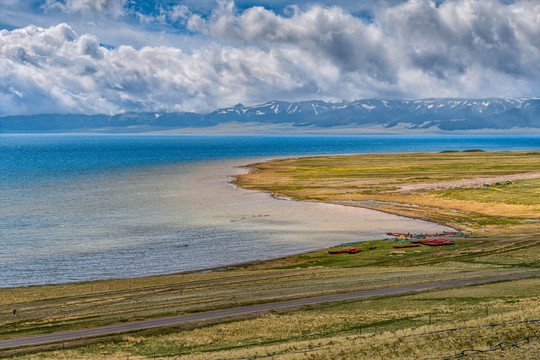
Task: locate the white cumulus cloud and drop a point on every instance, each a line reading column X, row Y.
column 58, row 70
column 462, row 48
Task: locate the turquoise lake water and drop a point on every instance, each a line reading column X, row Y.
column 85, row 207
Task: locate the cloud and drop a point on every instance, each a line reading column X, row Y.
column 88, row 7
column 48, row 69
column 54, row 69
column 330, row 33
column 448, row 39
column 461, row 48
column 179, row 13
column 474, row 48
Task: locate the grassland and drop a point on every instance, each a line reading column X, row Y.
column 405, row 327
column 504, row 240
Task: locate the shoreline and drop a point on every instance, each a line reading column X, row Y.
column 233, row 266
column 249, row 168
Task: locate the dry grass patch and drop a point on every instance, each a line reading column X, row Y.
column 406, row 327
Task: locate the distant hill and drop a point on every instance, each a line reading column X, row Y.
column 424, row 115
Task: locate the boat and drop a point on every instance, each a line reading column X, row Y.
column 345, row 251
column 437, row 242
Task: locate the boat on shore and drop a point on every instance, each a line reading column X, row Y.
column 345, row 251
column 435, row 242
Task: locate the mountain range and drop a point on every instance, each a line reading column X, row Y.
column 423, row 115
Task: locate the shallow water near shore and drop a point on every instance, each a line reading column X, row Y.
column 95, row 207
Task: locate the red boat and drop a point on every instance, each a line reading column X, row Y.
column 437, row 242
column 346, row 251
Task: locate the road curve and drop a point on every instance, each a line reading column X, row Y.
column 211, row 315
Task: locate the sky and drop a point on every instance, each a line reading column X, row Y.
column 115, row 56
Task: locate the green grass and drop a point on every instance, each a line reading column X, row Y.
column 523, row 254
column 524, row 192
